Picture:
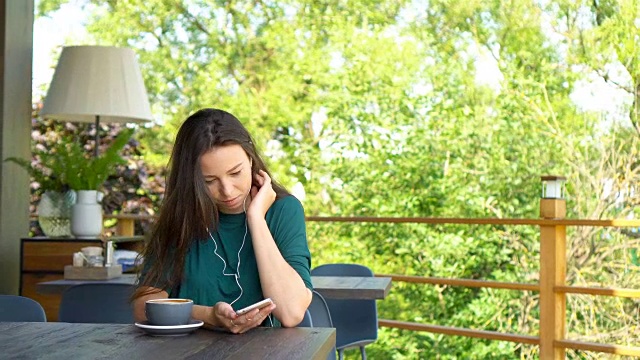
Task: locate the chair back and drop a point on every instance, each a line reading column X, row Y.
column 19, row 308
column 320, row 314
column 317, row 315
column 306, row 321
column 97, row 303
column 356, row 321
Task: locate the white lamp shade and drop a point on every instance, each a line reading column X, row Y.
column 92, row 81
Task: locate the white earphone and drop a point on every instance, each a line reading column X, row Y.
column 236, row 275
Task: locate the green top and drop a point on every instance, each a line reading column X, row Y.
column 204, row 280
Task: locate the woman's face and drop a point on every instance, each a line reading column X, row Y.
column 227, row 173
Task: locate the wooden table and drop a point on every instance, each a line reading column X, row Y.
column 52, row 340
column 43, row 259
column 352, row 287
column 331, row 287
column 59, row 286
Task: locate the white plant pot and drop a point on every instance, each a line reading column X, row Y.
column 86, row 215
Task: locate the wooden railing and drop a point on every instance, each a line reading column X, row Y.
column 552, row 287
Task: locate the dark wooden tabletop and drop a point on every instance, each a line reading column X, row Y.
column 331, row 287
column 55, row 340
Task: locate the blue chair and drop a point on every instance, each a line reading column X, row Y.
column 19, row 308
column 356, row 321
column 306, row 321
column 97, row 303
column 317, row 315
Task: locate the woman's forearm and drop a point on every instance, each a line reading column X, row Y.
column 139, row 303
column 279, row 280
column 205, row 314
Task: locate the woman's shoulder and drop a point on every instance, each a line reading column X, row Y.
column 285, row 214
column 286, row 203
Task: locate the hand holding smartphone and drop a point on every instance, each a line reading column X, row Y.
column 258, row 305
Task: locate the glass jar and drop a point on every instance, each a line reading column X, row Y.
column 54, row 213
column 95, row 261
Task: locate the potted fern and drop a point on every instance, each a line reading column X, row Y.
column 68, row 166
column 56, row 198
column 86, row 174
column 81, row 171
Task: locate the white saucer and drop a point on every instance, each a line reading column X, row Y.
column 171, row 330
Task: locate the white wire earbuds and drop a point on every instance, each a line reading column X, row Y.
column 246, row 230
column 236, row 275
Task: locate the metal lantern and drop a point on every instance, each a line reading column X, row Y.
column 553, row 204
column 553, row 187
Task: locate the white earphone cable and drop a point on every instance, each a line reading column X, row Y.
column 224, row 267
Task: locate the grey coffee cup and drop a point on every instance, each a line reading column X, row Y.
column 168, row 312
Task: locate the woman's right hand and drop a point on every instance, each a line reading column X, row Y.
column 224, row 315
column 262, row 195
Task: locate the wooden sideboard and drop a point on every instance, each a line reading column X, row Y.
column 44, row 259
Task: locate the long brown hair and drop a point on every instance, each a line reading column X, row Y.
column 188, row 210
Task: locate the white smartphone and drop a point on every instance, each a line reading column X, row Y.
column 258, row 305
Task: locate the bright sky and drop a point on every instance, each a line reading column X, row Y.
column 49, row 34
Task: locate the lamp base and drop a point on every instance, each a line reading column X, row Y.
column 553, row 208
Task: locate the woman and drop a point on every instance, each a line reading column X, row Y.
column 227, row 235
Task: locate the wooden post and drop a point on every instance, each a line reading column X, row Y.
column 553, row 269
column 16, row 56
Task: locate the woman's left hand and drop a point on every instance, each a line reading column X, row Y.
column 262, row 195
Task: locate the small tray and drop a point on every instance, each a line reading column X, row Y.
column 92, row 273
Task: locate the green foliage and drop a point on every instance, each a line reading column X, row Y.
column 40, row 175
column 45, row 7
column 134, row 188
column 67, row 164
column 84, row 172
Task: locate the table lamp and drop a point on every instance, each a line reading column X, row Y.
column 94, row 84
column 97, row 83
